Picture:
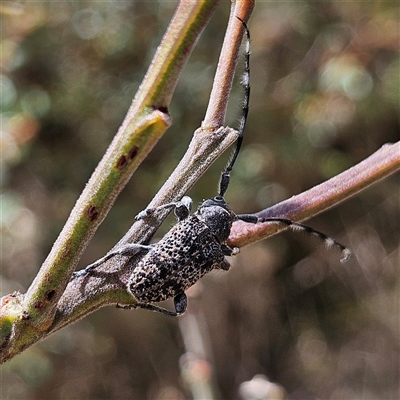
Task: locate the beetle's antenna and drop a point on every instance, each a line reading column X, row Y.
column 253, row 219
column 225, row 177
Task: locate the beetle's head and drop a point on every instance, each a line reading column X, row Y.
column 216, row 214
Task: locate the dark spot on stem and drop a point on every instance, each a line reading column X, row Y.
column 5, row 343
column 64, row 255
column 48, row 297
column 124, row 159
column 122, row 162
column 133, row 152
column 92, row 212
column 39, row 305
column 50, row 294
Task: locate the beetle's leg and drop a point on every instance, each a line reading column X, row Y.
column 181, row 209
column 180, row 302
column 151, row 307
column 224, row 265
column 229, row 251
column 127, row 250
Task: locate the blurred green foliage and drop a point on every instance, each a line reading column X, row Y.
column 325, row 95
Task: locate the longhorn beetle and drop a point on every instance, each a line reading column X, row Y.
column 197, row 243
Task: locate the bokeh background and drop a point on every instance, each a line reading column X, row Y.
column 325, row 95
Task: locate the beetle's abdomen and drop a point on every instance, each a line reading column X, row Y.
column 186, row 253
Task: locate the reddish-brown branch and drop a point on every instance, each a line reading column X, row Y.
column 320, row 198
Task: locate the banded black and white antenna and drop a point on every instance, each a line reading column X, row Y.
column 225, row 176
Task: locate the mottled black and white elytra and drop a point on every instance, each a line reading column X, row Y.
column 196, row 245
column 193, row 247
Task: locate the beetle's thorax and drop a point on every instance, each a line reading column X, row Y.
column 216, row 214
